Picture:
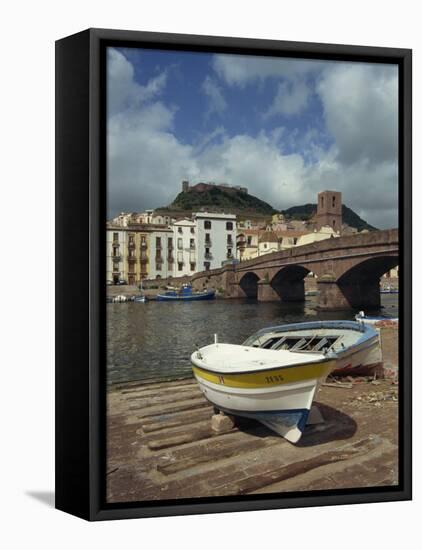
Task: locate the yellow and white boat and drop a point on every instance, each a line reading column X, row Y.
column 275, row 387
column 274, row 375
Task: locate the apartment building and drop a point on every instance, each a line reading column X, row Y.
column 215, row 239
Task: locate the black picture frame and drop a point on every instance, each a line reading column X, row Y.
column 80, row 277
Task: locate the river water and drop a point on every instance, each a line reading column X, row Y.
column 154, row 341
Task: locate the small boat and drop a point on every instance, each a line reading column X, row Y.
column 275, row 374
column 185, row 294
column 381, row 319
column 141, row 298
column 389, row 290
column 355, row 344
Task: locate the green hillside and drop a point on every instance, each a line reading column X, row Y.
column 306, row 211
column 219, row 199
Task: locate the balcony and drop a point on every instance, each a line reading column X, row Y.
column 131, row 259
column 170, row 259
column 131, row 244
column 230, row 243
column 158, row 258
column 144, row 245
column 116, row 257
column 208, row 255
column 208, row 243
column 144, row 259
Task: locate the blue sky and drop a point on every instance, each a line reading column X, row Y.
column 284, row 128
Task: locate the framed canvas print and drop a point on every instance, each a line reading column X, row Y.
column 233, row 274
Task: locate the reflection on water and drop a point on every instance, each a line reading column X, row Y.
column 155, row 340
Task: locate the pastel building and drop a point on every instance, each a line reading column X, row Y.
column 127, row 255
column 215, row 239
column 184, row 238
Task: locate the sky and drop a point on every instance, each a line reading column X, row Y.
column 284, row 128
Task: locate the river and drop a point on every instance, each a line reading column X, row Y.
column 154, row 341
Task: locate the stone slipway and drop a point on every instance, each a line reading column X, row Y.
column 161, row 445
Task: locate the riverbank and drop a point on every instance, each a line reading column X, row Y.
column 161, row 444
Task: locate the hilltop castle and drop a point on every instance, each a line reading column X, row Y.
column 201, row 187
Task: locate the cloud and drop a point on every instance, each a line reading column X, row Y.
column 217, row 103
column 361, row 110
column 122, row 90
column 291, row 99
column 240, row 70
column 355, row 153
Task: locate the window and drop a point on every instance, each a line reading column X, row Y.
column 207, row 224
column 170, row 243
column 249, row 240
column 229, row 226
column 192, row 266
column 334, row 223
column 229, row 239
column 179, row 243
column 207, row 252
column 192, row 230
column 180, row 230
column 158, row 266
column 265, row 245
column 334, row 202
column 322, row 202
column 131, row 239
column 115, row 266
column 179, row 266
column 229, row 253
column 295, row 240
column 192, row 243
column 207, row 238
column 158, row 242
column 115, row 237
column 207, row 266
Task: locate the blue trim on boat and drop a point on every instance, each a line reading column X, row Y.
column 289, row 418
column 367, row 331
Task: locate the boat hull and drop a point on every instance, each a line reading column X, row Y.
column 187, row 298
column 279, row 398
column 364, row 359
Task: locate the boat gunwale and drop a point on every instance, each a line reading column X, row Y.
column 265, row 369
column 367, row 331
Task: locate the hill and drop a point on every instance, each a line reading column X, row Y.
column 306, row 211
column 216, row 198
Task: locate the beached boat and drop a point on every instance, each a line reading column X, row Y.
column 275, row 374
column 274, row 387
column 185, row 294
column 355, row 344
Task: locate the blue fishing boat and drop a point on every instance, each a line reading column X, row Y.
column 185, row 294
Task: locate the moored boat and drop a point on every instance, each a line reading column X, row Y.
column 186, row 294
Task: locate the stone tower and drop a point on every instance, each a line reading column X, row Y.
column 329, row 210
column 185, row 186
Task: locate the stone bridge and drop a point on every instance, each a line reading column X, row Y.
column 347, row 271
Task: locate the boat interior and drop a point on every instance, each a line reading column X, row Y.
column 301, row 341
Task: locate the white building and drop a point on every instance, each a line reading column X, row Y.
column 215, row 239
column 184, row 238
column 161, row 256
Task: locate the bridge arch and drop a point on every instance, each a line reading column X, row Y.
column 289, row 283
column 360, row 284
column 249, row 284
